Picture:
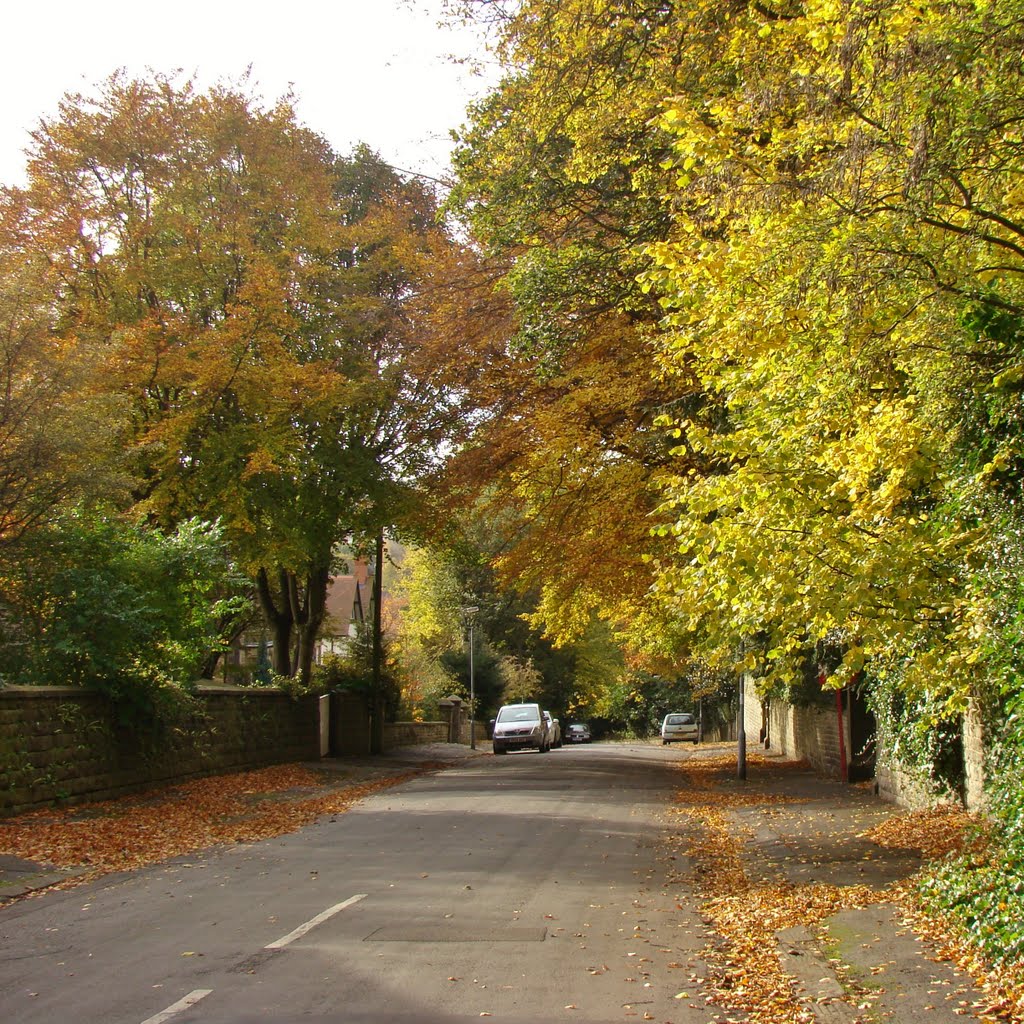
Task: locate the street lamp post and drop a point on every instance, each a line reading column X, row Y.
column 469, row 611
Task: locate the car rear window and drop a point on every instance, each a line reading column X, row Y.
column 679, row 720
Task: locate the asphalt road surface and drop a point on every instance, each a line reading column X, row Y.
column 524, row 888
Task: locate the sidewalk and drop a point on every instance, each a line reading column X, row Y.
column 19, row 876
column 857, row 965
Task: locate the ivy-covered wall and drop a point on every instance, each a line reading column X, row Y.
column 68, row 744
column 811, row 733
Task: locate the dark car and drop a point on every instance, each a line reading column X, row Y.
column 577, row 733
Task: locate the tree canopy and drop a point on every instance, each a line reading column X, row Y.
column 241, row 295
column 795, row 228
column 842, row 273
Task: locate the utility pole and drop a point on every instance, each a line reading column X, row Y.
column 377, row 712
column 741, row 739
column 469, row 611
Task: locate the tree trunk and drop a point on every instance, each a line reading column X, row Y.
column 308, row 614
column 280, row 619
column 229, row 628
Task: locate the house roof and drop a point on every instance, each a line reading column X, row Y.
column 348, row 598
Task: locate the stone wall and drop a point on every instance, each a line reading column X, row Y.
column 903, row 787
column 721, row 733
column 974, row 759
column 67, row 744
column 810, row 733
column 908, row 789
column 350, row 725
column 457, row 725
column 414, row 734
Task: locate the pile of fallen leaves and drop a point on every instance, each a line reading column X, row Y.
column 119, row 835
column 935, row 832
column 746, row 974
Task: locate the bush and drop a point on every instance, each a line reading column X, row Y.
column 99, row 602
column 983, row 891
column 354, row 672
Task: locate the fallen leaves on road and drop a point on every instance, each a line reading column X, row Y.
column 120, row 835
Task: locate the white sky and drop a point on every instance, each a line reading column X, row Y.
column 373, row 71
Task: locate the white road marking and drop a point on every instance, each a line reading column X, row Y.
column 313, row 922
column 182, row 1004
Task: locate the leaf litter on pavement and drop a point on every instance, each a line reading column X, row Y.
column 746, row 975
column 132, row 832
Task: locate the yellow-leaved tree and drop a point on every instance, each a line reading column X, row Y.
column 843, row 275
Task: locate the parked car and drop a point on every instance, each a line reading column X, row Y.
column 578, row 733
column 554, row 730
column 679, row 726
column 520, row 727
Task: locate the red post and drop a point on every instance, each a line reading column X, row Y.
column 844, row 768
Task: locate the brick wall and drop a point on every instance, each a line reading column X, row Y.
column 67, row 744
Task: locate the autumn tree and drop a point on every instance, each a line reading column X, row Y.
column 826, row 193
column 58, row 440
column 354, row 474
column 559, row 176
column 843, row 274
column 244, row 291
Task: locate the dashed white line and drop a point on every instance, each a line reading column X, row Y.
column 312, row 923
column 182, row 1004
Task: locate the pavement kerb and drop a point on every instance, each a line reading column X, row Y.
column 20, row 877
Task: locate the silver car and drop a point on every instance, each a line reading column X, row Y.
column 680, row 727
column 554, row 730
column 520, row 727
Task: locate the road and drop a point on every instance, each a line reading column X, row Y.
column 529, row 887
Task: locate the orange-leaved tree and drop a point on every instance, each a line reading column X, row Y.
column 243, row 290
